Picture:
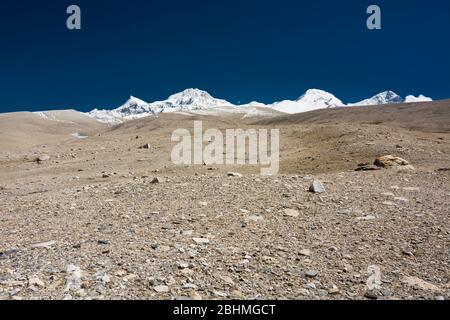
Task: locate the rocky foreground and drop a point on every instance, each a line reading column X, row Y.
column 381, row 234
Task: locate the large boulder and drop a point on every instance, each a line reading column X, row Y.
column 390, row 161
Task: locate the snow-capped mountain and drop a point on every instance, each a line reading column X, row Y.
column 196, row 101
column 386, row 97
column 312, row 99
column 134, row 108
column 420, row 98
column 188, row 100
column 389, row 97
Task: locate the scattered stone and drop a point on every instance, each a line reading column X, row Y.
column 201, row 240
column 311, row 273
column 388, row 194
column 182, row 265
column 366, row 218
column 401, row 199
column 227, row 280
column 367, row 167
column 103, row 242
column 7, row 254
column 373, row 282
column 234, row 174
column 305, row 252
column 303, row 292
column 220, row 294
column 145, row 146
column 418, row 283
column 390, row 161
column 35, row 282
column 73, row 280
column 44, row 245
column 291, row 213
column 317, row 187
column 311, row 285
column 334, row 290
column 42, row 158
column 372, row 294
column 411, row 189
column 155, row 180
column 255, row 218
column 161, row 289
column 103, row 277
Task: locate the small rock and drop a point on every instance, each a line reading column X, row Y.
column 145, row 146
column 291, row 213
column 201, row 240
column 73, row 281
column 372, row 294
column 303, row 292
column 255, row 218
column 415, row 189
column 43, row 158
column 234, row 174
column 368, row 167
column 161, row 289
column 182, row 265
column 44, row 245
column 227, row 280
column 317, row 187
column 311, row 273
column 35, row 282
column 311, row 285
column 418, row 283
column 334, row 290
column 390, row 161
column 305, row 252
column 155, row 180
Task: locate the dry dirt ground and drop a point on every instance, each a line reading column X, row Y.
column 89, row 223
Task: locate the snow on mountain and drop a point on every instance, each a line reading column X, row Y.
column 253, row 104
column 134, row 108
column 188, row 100
column 312, row 99
column 201, row 102
column 420, row 98
column 386, row 97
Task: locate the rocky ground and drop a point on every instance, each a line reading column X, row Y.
column 91, row 222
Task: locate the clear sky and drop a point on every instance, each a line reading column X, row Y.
column 238, row 50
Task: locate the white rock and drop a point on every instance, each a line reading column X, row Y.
column 418, row 283
column 201, row 240
column 291, row 213
column 45, row 245
column 161, row 289
column 73, row 280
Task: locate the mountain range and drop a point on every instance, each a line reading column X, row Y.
column 198, row 101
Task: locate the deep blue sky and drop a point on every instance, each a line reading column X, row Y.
column 236, row 50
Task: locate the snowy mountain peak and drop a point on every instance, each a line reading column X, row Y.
column 192, row 99
column 135, row 108
column 312, row 99
column 386, row 97
column 420, row 98
column 320, row 98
